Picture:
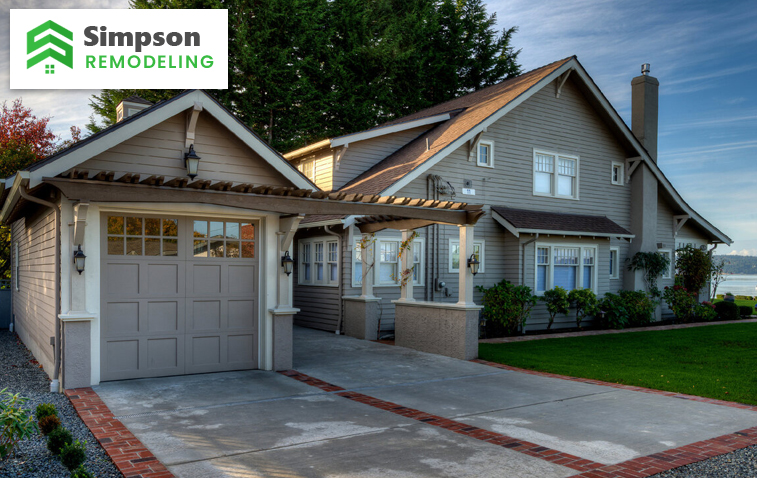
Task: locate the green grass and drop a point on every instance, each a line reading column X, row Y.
column 718, row 361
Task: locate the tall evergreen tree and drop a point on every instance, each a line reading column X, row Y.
column 302, row 70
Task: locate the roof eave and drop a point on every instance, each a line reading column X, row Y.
column 21, row 179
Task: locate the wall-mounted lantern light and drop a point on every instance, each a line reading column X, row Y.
column 79, row 258
column 287, row 263
column 473, row 264
column 192, row 162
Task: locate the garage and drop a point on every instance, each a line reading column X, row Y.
column 179, row 295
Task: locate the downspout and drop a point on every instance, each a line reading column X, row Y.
column 523, row 267
column 55, row 384
column 339, row 267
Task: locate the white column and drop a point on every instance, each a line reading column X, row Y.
column 367, row 259
column 406, row 291
column 284, row 299
column 466, row 278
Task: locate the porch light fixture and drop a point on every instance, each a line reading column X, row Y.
column 287, row 263
column 79, row 258
column 192, row 162
column 473, row 264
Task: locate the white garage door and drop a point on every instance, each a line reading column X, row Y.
column 178, row 296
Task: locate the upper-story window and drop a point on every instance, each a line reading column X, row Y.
column 485, row 154
column 307, row 168
column 617, row 173
column 318, row 261
column 555, row 175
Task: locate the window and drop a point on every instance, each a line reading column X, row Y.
column 667, row 253
column 617, row 173
column 454, row 255
column 614, row 266
column 567, row 266
column 318, row 262
column 223, row 239
column 307, row 168
column 555, row 175
column 142, row 236
column 485, row 154
column 387, row 264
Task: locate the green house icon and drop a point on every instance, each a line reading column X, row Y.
column 32, row 46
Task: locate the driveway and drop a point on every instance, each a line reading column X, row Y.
column 393, row 412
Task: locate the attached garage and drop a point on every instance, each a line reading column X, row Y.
column 179, row 296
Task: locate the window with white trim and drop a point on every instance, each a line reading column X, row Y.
column 319, row 262
column 669, row 255
column 566, row 265
column 454, row 255
column 617, row 173
column 614, row 265
column 555, row 175
column 485, row 154
column 388, row 262
column 307, row 168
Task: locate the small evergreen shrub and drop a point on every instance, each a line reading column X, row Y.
column 639, row 306
column 586, row 303
column 73, row 455
column 507, row 305
column 745, row 310
column 557, row 302
column 48, row 424
column 727, row 311
column 615, row 315
column 705, row 312
column 57, row 439
column 45, row 410
column 81, row 472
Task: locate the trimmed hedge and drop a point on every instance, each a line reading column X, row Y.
column 727, row 311
column 745, row 310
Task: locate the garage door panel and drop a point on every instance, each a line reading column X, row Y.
column 121, row 357
column 242, row 280
column 206, row 351
column 165, row 354
column 123, row 279
column 123, row 318
column 241, row 314
column 205, row 280
column 165, row 316
column 165, row 279
column 205, row 315
column 240, row 349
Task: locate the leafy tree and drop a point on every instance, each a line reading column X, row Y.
column 717, row 273
column 694, row 267
column 18, row 126
column 557, row 303
column 586, row 303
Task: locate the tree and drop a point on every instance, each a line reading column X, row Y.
column 302, row 70
column 557, row 302
column 694, row 267
column 717, row 274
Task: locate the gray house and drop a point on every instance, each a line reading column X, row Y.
column 569, row 190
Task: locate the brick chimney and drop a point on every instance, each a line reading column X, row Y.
column 130, row 106
column 644, row 104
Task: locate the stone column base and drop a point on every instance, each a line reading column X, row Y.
column 77, row 350
column 361, row 317
column 283, row 347
column 437, row 328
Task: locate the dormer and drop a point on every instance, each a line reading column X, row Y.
column 130, row 106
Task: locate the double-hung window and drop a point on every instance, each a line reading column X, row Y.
column 567, row 266
column 454, row 255
column 388, row 262
column 614, row 265
column 667, row 253
column 307, row 168
column 485, row 154
column 319, row 262
column 555, row 175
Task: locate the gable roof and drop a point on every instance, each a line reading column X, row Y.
column 525, row 221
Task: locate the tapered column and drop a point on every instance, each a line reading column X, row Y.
column 466, row 278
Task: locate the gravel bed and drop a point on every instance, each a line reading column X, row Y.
column 740, row 463
column 19, row 373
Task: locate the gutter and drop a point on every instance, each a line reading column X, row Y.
column 55, row 384
column 340, row 266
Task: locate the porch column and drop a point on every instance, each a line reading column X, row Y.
column 406, row 291
column 283, row 313
column 465, row 297
column 367, row 259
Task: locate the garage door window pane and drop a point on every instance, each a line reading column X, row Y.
column 170, row 247
column 200, row 248
column 115, row 225
column 201, row 229
column 133, row 246
column 152, row 247
column 116, row 246
column 152, row 227
column 134, row 226
column 171, row 227
column 216, row 248
column 232, row 230
column 248, row 231
column 232, row 249
column 248, row 250
column 216, row 229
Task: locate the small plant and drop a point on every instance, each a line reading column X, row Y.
column 81, row 472
column 57, row 439
column 705, row 312
column 586, row 303
column 639, row 306
column 745, row 310
column 16, row 423
column 45, row 410
column 652, row 265
column 557, row 303
column 48, row 424
column 615, row 315
column 73, row 455
column 508, row 305
column 727, row 311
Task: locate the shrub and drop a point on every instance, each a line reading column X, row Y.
column 586, row 303
column 745, row 310
column 639, row 306
column 743, row 297
column 652, row 265
column 48, row 424
column 73, row 455
column 81, row 472
column 508, row 305
column 727, row 311
column 57, row 439
column 16, row 423
column 557, row 303
column 705, row 312
column 615, row 314
column 693, row 266
column 45, row 410
column 680, row 301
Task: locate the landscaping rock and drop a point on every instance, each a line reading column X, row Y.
column 740, row 463
column 20, row 373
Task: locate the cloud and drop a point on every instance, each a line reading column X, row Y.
column 743, row 252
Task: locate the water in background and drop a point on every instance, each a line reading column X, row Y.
column 738, row 284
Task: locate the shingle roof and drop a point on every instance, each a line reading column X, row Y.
column 137, row 99
column 474, row 108
column 528, row 220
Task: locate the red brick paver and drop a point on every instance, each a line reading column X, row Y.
column 131, row 457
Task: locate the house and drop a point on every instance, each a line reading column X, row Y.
column 160, row 246
column 570, row 192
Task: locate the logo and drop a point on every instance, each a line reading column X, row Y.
column 49, row 42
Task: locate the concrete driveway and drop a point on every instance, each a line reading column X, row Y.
column 384, row 420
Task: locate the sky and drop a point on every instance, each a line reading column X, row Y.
column 704, row 54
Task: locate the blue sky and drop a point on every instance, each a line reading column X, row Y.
column 703, row 52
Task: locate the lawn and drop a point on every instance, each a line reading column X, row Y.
column 718, row 361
